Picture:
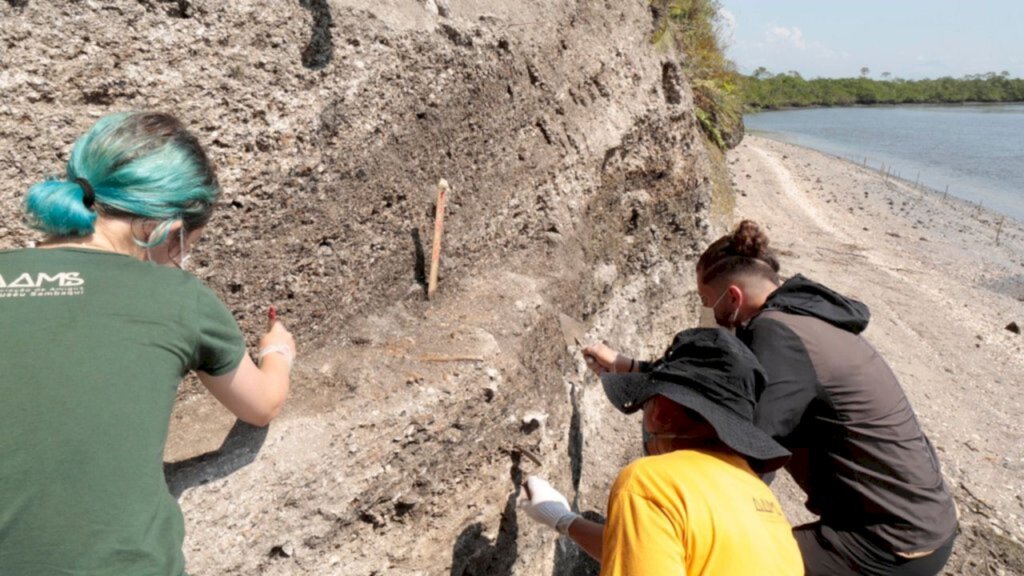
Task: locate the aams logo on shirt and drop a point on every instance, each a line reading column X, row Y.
column 42, row 284
column 26, row 280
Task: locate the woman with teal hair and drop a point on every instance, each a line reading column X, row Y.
column 100, row 324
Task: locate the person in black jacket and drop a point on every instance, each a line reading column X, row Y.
column 859, row 453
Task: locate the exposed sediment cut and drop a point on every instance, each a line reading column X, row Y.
column 579, row 186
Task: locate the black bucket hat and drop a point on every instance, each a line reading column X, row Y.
column 711, row 372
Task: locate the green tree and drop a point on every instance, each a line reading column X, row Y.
column 790, row 89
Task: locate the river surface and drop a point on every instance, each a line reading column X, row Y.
column 974, row 151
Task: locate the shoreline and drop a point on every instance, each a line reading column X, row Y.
column 981, row 179
column 941, row 292
column 973, row 221
column 883, row 173
column 883, row 105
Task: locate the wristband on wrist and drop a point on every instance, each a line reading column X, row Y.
column 562, row 526
column 281, row 349
column 632, row 364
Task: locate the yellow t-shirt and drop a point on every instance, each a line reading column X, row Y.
column 696, row 512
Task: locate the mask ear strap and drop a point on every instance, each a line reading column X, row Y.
column 158, row 235
column 719, row 301
column 183, row 254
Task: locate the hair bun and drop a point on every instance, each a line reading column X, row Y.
column 748, row 240
column 57, row 208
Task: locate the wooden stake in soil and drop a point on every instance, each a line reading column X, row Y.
column 435, row 256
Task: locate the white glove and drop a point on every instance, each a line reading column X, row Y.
column 546, row 505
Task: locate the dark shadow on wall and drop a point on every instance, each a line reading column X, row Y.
column 173, row 8
column 420, row 264
column 18, row 3
column 238, row 450
column 318, row 52
column 474, row 555
column 571, row 560
column 576, row 440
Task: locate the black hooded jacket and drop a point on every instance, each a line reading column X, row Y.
column 831, row 399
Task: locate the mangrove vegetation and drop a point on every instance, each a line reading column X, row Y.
column 764, row 90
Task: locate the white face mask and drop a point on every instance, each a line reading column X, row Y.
column 706, row 317
column 707, row 314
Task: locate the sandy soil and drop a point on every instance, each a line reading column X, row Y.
column 942, row 292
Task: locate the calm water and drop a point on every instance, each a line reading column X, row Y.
column 976, row 150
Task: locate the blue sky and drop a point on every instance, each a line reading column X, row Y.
column 910, row 39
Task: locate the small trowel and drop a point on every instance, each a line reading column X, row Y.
column 573, row 331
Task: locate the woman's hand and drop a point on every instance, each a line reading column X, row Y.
column 278, row 341
column 255, row 394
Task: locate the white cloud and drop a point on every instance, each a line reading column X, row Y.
column 784, row 47
column 792, row 36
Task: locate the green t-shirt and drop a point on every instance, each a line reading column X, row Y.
column 93, row 346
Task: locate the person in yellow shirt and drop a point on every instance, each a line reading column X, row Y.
column 695, row 504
